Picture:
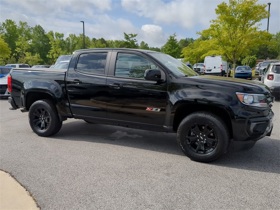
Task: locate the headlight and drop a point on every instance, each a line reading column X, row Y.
column 249, row 99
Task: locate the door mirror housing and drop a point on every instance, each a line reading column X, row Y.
column 153, row 75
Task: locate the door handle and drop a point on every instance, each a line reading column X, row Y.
column 115, row 85
column 77, row 81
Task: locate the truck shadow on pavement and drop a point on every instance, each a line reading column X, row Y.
column 263, row 157
column 156, row 141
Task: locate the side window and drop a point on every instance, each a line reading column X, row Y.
column 132, row 66
column 276, row 69
column 92, row 63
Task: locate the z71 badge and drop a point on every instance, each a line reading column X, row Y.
column 152, row 109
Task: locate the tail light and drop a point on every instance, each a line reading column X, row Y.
column 270, row 77
column 9, row 81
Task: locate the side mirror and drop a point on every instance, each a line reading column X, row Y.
column 152, row 75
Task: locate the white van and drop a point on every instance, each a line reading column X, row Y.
column 215, row 65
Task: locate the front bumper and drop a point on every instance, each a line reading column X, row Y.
column 254, row 129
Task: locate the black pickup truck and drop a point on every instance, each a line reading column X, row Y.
column 146, row 90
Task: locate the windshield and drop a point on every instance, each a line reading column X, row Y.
column 177, row 67
column 243, row 68
column 4, row 71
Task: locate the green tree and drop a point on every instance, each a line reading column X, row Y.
column 4, row 52
column 144, row 45
column 23, row 41
column 98, row 43
column 57, row 45
column 72, row 43
column 31, row 59
column 171, row 47
column 40, row 43
column 273, row 48
column 130, row 41
column 236, row 28
column 196, row 51
column 250, row 61
column 9, row 32
column 235, row 33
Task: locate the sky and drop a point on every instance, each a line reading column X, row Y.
column 152, row 20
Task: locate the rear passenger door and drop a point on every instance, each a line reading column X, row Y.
column 132, row 98
column 86, row 85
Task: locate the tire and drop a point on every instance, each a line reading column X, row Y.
column 43, row 118
column 203, row 137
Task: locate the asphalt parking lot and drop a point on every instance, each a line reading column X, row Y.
column 88, row 166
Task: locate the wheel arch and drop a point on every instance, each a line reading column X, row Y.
column 185, row 109
column 33, row 96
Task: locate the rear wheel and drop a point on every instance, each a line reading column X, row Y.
column 203, row 137
column 43, row 118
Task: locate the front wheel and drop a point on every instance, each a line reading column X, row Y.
column 203, row 137
column 43, row 118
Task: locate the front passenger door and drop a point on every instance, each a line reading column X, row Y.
column 132, row 98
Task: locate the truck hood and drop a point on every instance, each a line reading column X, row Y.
column 227, row 83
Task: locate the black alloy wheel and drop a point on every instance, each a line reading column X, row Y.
column 43, row 118
column 201, row 139
column 203, row 136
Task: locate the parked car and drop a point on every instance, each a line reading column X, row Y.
column 62, row 58
column 4, row 71
column 244, row 72
column 147, row 90
column 41, row 66
column 199, row 68
column 18, row 65
column 257, row 68
column 60, row 65
column 264, row 65
column 271, row 78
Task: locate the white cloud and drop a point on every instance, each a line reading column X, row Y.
column 153, row 35
column 183, row 13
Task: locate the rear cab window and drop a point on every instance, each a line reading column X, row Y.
column 92, row 63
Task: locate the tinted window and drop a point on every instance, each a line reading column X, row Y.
column 23, row 66
column 92, row 63
column 133, row 66
column 243, row 68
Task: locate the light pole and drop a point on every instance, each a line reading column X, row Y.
column 83, row 33
column 268, row 15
